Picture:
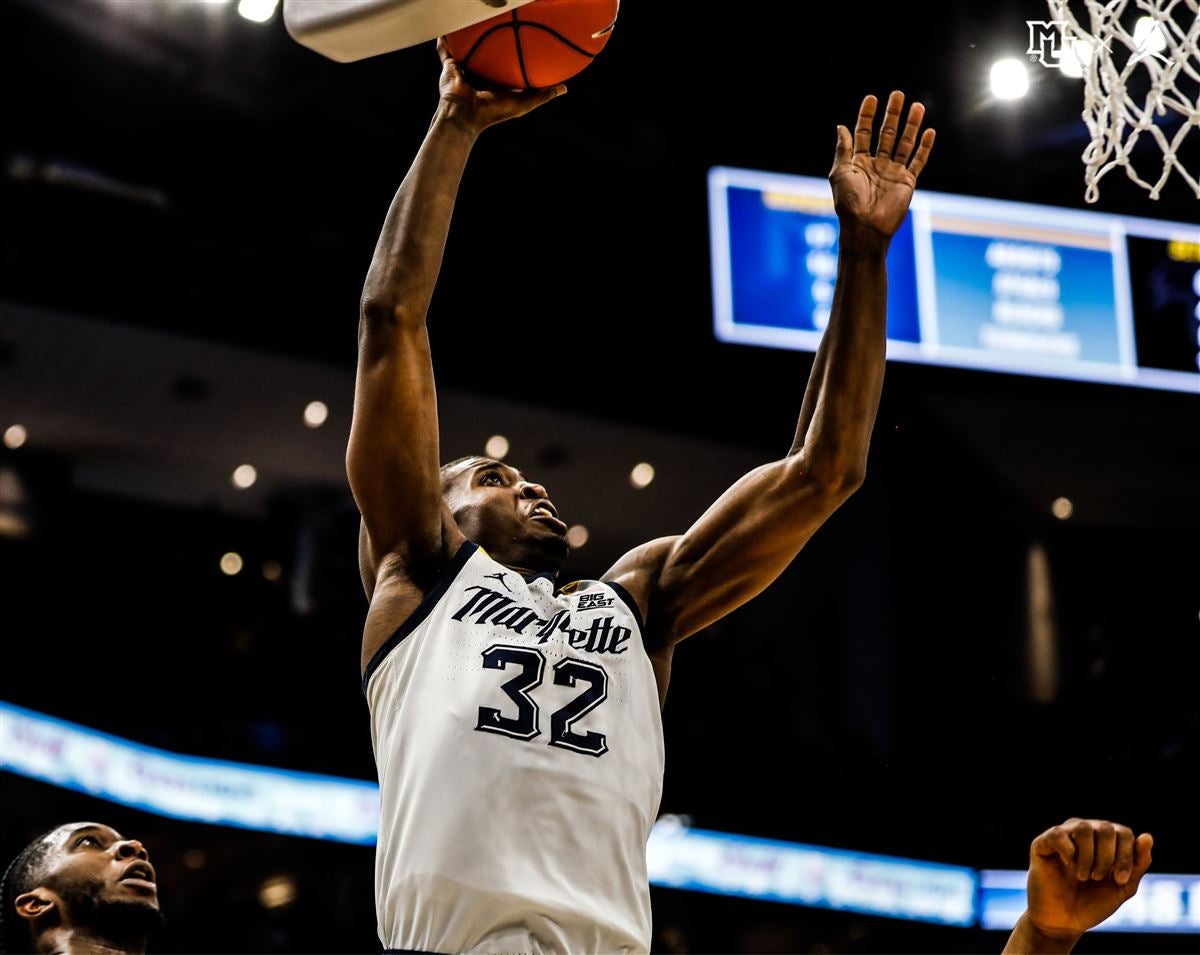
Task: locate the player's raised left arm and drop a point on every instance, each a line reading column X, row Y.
column 756, row 528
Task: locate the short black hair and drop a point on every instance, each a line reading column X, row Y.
column 21, row 876
column 448, row 469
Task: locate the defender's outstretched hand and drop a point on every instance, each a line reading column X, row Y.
column 871, row 192
column 483, row 108
column 1080, row 872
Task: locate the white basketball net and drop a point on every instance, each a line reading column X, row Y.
column 1134, row 82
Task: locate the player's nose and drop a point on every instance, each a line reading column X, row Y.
column 131, row 848
column 529, row 489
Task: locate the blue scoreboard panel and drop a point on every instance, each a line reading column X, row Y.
column 972, row 283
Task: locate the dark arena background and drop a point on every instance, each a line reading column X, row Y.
column 999, row 631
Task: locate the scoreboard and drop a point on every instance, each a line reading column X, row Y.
column 972, row 283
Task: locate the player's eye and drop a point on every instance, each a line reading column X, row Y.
column 491, row 477
column 83, row 840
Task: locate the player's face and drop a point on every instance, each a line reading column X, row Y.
column 93, row 867
column 513, row 519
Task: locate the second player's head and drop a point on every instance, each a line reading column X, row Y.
column 511, row 518
column 83, row 882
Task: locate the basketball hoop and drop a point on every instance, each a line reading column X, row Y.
column 1135, row 84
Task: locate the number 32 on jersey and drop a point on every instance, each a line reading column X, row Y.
column 530, row 666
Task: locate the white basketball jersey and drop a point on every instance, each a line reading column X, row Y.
column 519, row 745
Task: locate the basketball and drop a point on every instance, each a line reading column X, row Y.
column 537, row 45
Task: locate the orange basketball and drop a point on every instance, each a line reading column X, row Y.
column 539, row 44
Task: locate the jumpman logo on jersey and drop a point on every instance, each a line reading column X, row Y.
column 500, row 577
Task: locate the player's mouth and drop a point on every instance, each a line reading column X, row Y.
column 544, row 511
column 140, row 874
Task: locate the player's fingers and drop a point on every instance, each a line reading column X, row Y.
column 908, row 139
column 1141, row 860
column 1055, row 841
column 1106, row 849
column 922, row 154
column 1123, row 862
column 443, row 49
column 862, row 128
column 845, row 146
column 891, row 123
column 528, row 100
column 545, row 95
column 1085, row 847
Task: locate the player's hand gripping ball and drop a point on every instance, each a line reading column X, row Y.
column 539, row 44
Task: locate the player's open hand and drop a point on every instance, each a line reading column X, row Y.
column 483, row 108
column 1080, row 872
column 871, row 191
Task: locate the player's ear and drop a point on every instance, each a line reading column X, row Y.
column 35, row 904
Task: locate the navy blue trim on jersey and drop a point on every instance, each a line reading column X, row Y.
column 424, row 608
column 629, row 602
column 407, row 951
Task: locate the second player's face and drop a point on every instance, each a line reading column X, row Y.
column 497, row 508
column 93, row 860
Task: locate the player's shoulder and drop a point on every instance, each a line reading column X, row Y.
column 639, row 568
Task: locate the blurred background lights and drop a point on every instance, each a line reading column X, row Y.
column 231, row 563
column 1148, row 36
column 496, row 447
column 272, row 571
column 14, row 505
column 577, row 536
column 641, row 475
column 1009, row 78
column 15, row 436
column 260, row 11
column 244, row 476
column 1062, row 508
column 194, row 859
column 277, row 891
column 1076, row 55
column 315, row 413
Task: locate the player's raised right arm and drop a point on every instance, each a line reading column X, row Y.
column 393, row 457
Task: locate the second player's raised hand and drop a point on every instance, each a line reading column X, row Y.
column 1080, row 872
column 871, row 191
column 483, row 108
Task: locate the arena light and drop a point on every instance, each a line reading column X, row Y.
column 15, row 436
column 277, row 892
column 231, row 563
column 1077, row 54
column 244, row 476
column 1062, row 508
column 1009, row 78
column 1148, row 36
column 577, row 536
column 14, row 505
column 315, row 413
column 641, row 475
column 260, row 11
column 496, row 447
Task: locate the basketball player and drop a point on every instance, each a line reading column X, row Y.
column 82, row 887
column 516, row 726
column 1080, row 872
